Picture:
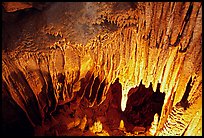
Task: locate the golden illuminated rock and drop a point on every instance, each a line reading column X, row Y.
column 97, row 127
column 64, row 59
column 83, row 123
column 122, row 127
column 154, row 125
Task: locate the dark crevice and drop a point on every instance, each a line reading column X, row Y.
column 69, row 90
column 61, row 78
column 100, row 92
column 184, row 101
column 160, row 39
column 83, row 85
column 77, row 75
column 14, row 119
column 44, row 90
column 30, row 102
column 180, row 36
column 94, row 89
column 142, row 105
column 177, row 41
column 149, row 34
column 50, row 95
column 88, row 88
column 184, row 50
column 157, row 45
column 109, row 26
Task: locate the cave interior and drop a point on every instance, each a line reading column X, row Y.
column 101, row 68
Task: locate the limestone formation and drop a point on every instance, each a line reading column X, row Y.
column 64, row 59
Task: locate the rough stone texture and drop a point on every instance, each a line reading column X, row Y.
column 73, row 52
column 15, row 6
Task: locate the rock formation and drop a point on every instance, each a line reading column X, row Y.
column 61, row 62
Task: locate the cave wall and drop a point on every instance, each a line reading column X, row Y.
column 48, row 51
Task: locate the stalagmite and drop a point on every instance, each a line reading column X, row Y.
column 154, row 125
column 121, row 126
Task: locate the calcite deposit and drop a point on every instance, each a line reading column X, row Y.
column 102, row 68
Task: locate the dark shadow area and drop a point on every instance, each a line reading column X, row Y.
column 184, row 102
column 14, row 120
column 142, row 105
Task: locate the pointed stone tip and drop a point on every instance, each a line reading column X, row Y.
column 123, row 108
